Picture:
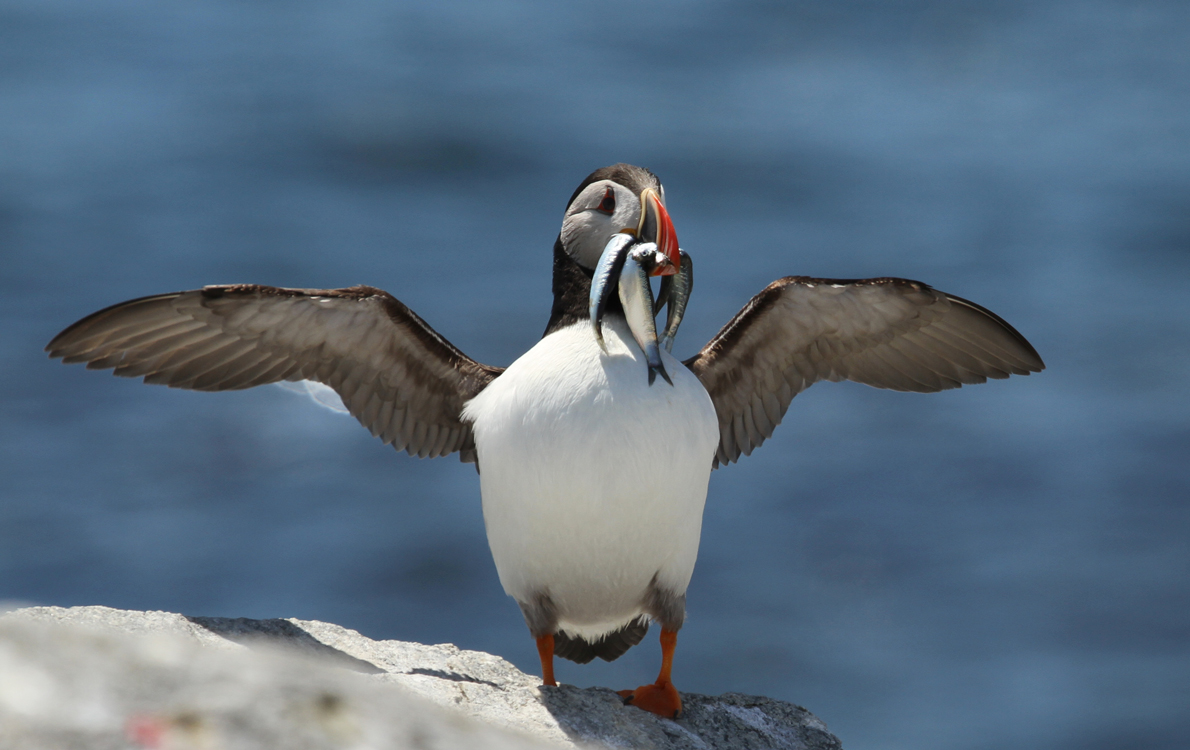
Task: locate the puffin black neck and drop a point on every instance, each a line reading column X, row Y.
column 572, row 291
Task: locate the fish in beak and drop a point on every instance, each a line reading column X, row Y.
column 636, row 296
column 625, row 267
column 607, row 279
column 675, row 291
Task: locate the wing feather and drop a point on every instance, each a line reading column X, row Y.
column 395, row 374
column 234, row 371
column 886, row 332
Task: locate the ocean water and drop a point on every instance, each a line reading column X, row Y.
column 1006, row 565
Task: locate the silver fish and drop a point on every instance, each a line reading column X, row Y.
column 637, row 298
column 606, row 280
column 675, row 291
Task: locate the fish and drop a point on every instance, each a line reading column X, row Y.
column 675, row 291
column 637, row 298
column 606, row 280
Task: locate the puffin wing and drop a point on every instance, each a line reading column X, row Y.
column 886, row 332
column 395, row 374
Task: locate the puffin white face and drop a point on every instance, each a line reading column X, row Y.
column 601, row 210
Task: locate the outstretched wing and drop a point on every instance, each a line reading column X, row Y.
column 887, row 333
column 395, row 374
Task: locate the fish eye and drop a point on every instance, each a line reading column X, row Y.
column 608, row 204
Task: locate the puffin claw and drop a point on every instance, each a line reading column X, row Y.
column 660, row 698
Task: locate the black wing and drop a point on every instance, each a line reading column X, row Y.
column 395, row 374
column 887, row 333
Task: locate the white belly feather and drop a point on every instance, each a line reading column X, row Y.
column 593, row 481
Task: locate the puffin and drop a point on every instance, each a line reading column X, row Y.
column 595, row 447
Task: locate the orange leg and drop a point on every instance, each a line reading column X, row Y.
column 545, row 649
column 661, row 697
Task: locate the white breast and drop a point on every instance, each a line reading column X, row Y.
column 593, row 481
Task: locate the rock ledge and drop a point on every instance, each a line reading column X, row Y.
column 95, row 677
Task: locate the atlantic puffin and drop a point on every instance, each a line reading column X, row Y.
column 593, row 472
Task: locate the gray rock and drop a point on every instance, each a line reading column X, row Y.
column 94, row 677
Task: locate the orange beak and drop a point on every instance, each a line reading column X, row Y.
column 655, row 226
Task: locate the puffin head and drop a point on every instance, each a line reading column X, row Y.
column 619, row 198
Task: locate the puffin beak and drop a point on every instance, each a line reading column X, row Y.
column 656, row 226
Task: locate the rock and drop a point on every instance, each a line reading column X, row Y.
column 94, row 677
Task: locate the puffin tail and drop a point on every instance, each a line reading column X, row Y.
column 609, row 647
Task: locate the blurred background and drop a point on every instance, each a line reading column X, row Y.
column 1001, row 566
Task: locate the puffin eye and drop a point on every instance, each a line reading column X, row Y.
column 608, row 204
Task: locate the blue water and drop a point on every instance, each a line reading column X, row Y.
column 1001, row 566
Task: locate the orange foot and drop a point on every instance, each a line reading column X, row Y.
column 660, row 698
